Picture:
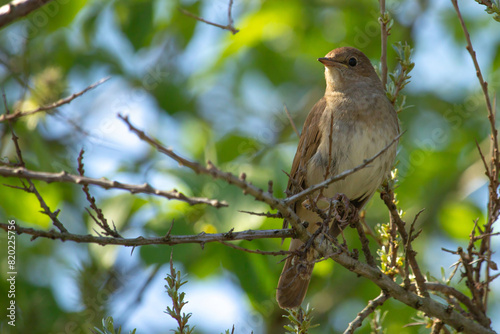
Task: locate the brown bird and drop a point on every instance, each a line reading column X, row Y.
column 362, row 123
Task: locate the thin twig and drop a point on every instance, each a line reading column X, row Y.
column 263, row 214
column 229, row 26
column 383, row 42
column 369, row 309
column 102, row 222
column 365, row 244
column 291, row 121
column 66, row 100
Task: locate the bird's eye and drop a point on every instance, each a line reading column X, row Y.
column 352, row 61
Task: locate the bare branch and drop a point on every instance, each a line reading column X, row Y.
column 369, row 309
column 450, row 291
column 201, row 238
column 17, row 9
column 66, row 100
column 106, row 184
column 229, row 26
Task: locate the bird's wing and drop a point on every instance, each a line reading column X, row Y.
column 308, row 145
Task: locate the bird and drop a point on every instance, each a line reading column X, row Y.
column 353, row 121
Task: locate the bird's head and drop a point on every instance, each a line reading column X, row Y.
column 348, row 67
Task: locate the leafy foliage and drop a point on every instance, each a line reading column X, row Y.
column 108, row 327
column 174, row 283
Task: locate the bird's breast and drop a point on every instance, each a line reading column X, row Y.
column 347, row 141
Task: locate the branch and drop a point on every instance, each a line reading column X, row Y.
column 17, row 9
column 484, row 254
column 384, row 19
column 450, row 291
column 201, row 238
column 239, row 182
column 484, row 84
column 324, row 247
column 101, row 221
column 31, row 188
column 388, row 197
column 427, row 305
column 229, row 26
column 369, row 309
column 63, row 176
column 66, row 100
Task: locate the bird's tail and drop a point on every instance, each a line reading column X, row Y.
column 295, row 277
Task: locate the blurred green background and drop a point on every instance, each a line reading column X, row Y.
column 215, row 96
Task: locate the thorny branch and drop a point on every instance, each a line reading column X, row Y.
column 324, row 247
column 445, row 314
column 63, row 176
column 201, row 238
column 101, row 221
column 473, row 260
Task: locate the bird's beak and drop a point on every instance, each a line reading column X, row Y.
column 329, row 62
